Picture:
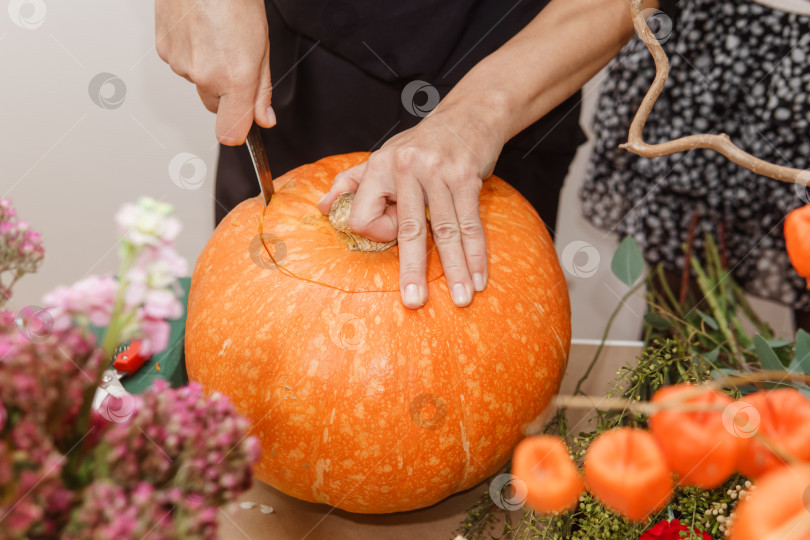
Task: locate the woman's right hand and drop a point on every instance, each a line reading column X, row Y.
column 223, row 48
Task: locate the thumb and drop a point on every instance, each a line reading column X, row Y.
column 235, row 116
column 372, row 215
column 264, row 114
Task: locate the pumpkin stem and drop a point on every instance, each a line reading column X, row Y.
column 339, row 218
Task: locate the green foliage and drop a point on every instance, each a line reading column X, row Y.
column 662, row 363
column 690, row 341
column 628, row 261
column 767, row 356
column 801, row 359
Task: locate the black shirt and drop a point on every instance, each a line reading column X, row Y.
column 339, row 68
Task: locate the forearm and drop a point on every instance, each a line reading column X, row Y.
column 544, row 64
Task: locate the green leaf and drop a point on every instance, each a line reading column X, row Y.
column 773, row 344
column 657, row 321
column 724, row 372
column 712, row 355
column 628, row 261
column 801, row 360
column 767, row 357
column 709, row 320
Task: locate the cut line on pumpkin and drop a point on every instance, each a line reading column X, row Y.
column 289, row 273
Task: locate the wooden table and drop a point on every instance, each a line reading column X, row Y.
column 298, row 520
column 292, row 519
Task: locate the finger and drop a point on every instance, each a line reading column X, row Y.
column 447, row 235
column 181, row 71
column 264, row 114
column 210, row 101
column 345, row 182
column 472, row 233
column 371, row 214
column 412, row 240
column 235, row 116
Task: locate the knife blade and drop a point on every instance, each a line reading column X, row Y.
column 258, row 155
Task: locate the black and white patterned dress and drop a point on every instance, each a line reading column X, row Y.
column 737, row 67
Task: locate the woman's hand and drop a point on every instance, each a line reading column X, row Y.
column 223, row 48
column 440, row 163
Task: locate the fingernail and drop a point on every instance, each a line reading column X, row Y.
column 322, row 199
column 460, row 296
column 411, row 298
column 478, row 282
column 271, row 116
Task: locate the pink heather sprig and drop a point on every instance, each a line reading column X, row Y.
column 42, row 385
column 21, row 250
column 183, row 438
column 67, row 472
column 46, row 379
column 40, row 499
column 110, row 511
column 167, row 468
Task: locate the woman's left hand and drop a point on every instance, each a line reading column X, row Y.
column 440, row 163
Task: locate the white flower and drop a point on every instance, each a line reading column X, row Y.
column 147, row 223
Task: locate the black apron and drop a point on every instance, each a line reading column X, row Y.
column 339, row 68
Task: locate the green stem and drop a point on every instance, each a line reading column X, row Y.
column 612, row 318
column 113, row 333
column 762, row 327
column 108, row 345
column 719, row 314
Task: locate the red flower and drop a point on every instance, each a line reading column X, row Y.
column 668, row 530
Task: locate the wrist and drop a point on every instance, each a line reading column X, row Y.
column 494, row 113
column 481, row 115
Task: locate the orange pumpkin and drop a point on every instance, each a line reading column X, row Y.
column 625, row 469
column 777, row 509
column 552, row 480
column 783, row 416
column 797, row 240
column 359, row 402
column 698, row 446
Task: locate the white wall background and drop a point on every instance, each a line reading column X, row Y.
column 69, row 161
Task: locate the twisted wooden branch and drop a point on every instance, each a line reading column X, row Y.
column 720, row 143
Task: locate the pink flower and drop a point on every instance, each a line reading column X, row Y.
column 165, row 468
column 92, row 297
column 21, row 250
column 167, row 261
column 162, row 304
column 22, row 516
column 6, row 349
column 58, row 302
column 157, row 267
column 156, row 335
